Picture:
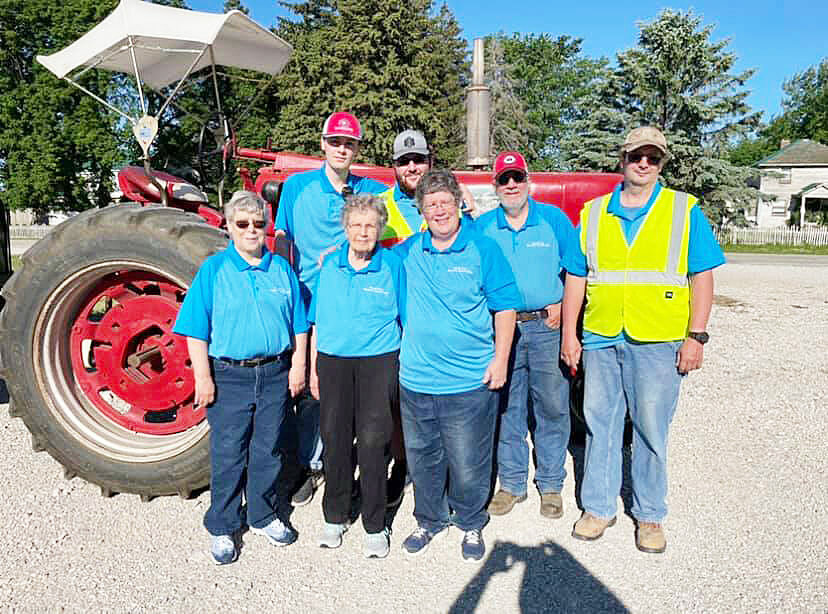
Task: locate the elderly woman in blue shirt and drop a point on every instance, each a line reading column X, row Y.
column 246, row 330
column 354, row 368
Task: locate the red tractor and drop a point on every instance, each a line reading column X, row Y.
column 86, row 342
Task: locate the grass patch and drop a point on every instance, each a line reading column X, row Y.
column 776, row 249
column 16, row 262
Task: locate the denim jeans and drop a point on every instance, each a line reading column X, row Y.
column 643, row 377
column 449, row 440
column 536, row 372
column 245, row 420
column 301, row 433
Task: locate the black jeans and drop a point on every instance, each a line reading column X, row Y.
column 356, row 396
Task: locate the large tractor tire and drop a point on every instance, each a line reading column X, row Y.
column 88, row 354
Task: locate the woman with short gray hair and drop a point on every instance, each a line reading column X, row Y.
column 354, row 364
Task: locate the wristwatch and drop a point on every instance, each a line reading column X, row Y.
column 702, row 337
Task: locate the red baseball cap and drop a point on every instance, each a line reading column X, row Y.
column 509, row 161
column 342, row 123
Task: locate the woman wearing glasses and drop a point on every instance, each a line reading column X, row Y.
column 246, row 330
column 354, row 366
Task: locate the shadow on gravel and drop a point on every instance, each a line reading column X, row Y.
column 4, row 393
column 577, row 450
column 553, row 581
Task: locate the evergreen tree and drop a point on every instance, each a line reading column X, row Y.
column 681, row 81
column 395, row 66
column 539, row 84
column 57, row 147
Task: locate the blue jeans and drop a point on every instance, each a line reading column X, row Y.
column 301, row 433
column 536, row 372
column 449, row 440
column 245, row 420
column 643, row 377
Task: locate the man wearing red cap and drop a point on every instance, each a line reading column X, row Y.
column 533, row 237
column 644, row 260
column 309, row 214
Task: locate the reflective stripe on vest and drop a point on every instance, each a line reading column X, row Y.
column 646, row 291
column 396, row 229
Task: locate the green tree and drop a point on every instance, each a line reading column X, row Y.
column 539, row 83
column 56, row 146
column 680, row 80
column 394, row 66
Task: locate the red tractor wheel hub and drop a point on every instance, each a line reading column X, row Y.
column 126, row 359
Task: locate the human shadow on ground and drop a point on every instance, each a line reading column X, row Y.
column 553, row 581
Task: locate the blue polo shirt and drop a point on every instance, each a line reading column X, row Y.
column 534, row 251
column 243, row 311
column 357, row 313
column 448, row 334
column 309, row 213
column 408, row 209
column 703, row 251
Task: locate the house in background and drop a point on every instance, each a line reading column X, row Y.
column 795, row 179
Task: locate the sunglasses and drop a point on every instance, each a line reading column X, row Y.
column 652, row 159
column 257, row 224
column 415, row 158
column 347, row 191
column 504, row 178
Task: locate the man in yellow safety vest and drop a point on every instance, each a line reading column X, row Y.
column 411, row 158
column 644, row 260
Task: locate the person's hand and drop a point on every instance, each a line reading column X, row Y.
column 296, row 379
column 279, row 233
column 571, row 352
column 468, row 204
column 314, row 384
column 495, row 375
column 205, row 391
column 553, row 316
column 322, row 256
column 690, row 356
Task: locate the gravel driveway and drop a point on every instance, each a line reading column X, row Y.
column 746, row 531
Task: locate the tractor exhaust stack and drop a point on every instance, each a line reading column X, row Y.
column 478, row 109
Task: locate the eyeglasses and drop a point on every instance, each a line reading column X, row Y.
column 652, row 159
column 407, row 159
column 518, row 176
column 444, row 206
column 367, row 228
column 243, row 224
column 347, row 191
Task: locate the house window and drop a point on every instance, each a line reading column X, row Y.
column 784, row 175
column 778, row 208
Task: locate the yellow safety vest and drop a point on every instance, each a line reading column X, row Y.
column 641, row 288
column 397, row 229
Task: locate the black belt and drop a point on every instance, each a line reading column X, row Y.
column 526, row 316
column 254, row 362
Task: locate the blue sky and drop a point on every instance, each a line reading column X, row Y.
column 778, row 38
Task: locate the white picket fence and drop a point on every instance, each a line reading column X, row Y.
column 815, row 236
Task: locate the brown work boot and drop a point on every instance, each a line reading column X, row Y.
column 589, row 527
column 649, row 537
column 503, row 502
column 551, row 505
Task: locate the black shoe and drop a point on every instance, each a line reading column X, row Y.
column 304, row 494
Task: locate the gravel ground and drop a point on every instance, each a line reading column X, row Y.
column 746, row 528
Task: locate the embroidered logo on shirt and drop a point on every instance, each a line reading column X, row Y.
column 375, row 290
column 538, row 244
column 460, row 269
